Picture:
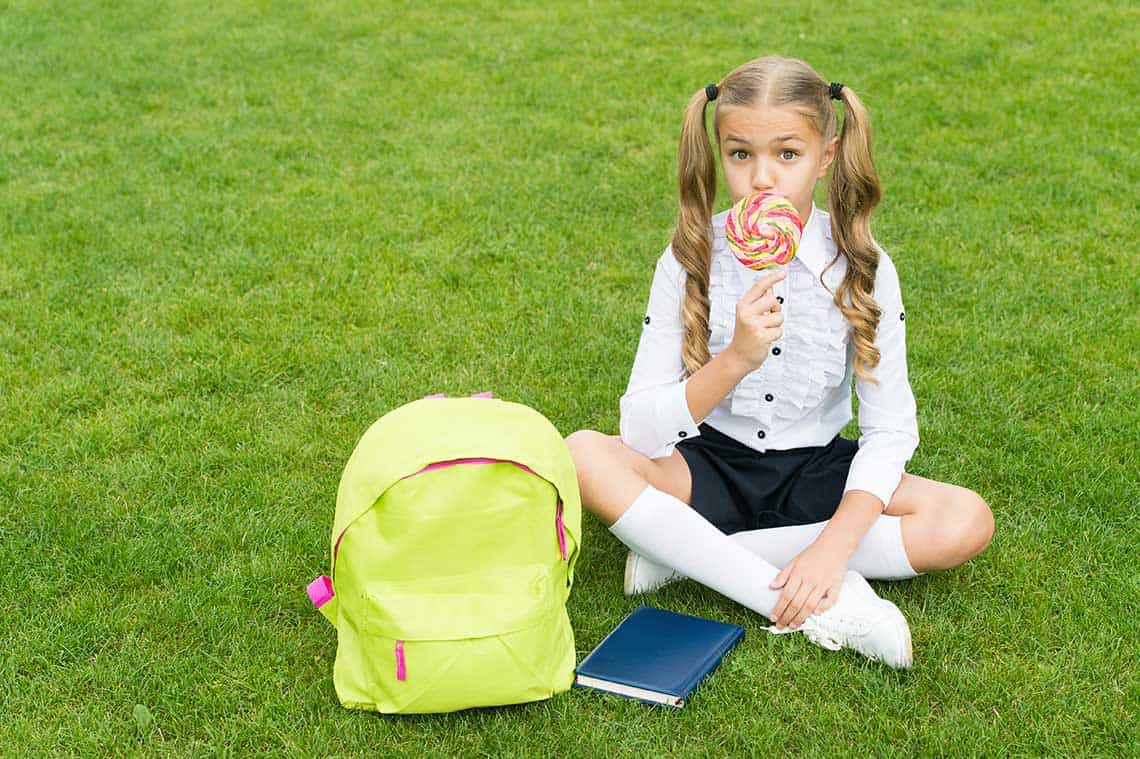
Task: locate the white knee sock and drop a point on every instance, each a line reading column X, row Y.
column 666, row 531
column 880, row 555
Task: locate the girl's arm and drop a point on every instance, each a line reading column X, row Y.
column 887, row 423
column 888, row 437
column 888, row 420
column 654, row 414
column 758, row 325
column 661, row 406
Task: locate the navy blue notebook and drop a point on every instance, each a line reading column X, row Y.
column 657, row 656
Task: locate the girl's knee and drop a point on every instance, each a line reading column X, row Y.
column 981, row 521
column 586, row 447
column 608, row 476
column 971, row 524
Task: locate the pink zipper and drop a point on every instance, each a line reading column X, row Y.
column 559, row 525
column 401, row 665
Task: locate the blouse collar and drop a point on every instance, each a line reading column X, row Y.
column 816, row 248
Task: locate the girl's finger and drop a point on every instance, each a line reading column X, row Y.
column 803, row 590
column 833, row 593
column 762, row 285
column 773, row 319
column 810, row 606
column 762, row 305
column 783, row 601
column 781, row 578
column 830, row 597
column 796, row 606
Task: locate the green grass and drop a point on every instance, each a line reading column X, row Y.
column 233, row 236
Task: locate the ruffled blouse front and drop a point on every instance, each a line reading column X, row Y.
column 801, row 395
column 809, row 361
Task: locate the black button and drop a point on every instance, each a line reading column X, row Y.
column 647, row 320
column 761, row 434
column 902, row 317
column 779, row 298
column 769, row 397
column 776, row 351
column 682, row 433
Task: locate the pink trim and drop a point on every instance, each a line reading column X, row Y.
column 558, row 525
column 434, row 397
column 456, row 462
column 401, row 664
column 484, row 394
column 320, row 591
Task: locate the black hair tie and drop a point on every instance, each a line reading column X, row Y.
column 711, row 91
column 833, row 91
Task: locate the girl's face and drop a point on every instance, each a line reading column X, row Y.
column 772, row 149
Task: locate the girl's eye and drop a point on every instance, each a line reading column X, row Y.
column 740, row 155
column 788, row 155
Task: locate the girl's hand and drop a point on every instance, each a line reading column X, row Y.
column 758, row 322
column 811, row 583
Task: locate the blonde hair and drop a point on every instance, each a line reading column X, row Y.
column 853, row 193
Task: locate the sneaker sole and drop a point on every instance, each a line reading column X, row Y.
column 629, row 585
column 907, row 658
column 630, row 573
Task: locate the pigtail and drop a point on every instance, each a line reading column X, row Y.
column 692, row 245
column 853, row 193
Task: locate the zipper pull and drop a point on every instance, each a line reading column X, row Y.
column 401, row 665
column 561, row 531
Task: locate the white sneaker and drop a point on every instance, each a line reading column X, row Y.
column 863, row 622
column 643, row 575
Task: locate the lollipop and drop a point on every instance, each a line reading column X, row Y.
column 763, row 231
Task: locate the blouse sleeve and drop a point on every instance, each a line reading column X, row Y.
column 888, row 423
column 654, row 412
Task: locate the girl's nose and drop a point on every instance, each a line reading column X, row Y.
column 762, row 178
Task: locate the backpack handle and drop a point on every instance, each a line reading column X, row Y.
column 484, row 394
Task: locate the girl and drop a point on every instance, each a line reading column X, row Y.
column 729, row 468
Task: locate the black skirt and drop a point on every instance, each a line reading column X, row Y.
column 738, row 488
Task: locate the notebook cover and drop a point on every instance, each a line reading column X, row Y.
column 661, row 651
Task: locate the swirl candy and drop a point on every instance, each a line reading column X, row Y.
column 763, row 231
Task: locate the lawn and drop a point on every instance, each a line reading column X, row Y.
column 233, row 235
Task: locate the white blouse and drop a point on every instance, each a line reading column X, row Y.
column 801, row 394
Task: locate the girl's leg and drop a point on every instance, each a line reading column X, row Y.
column 880, row 555
column 943, row 525
column 928, row 526
column 623, row 489
column 611, row 474
column 644, row 503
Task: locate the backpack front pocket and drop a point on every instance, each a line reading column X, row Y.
column 471, row 605
column 436, row 661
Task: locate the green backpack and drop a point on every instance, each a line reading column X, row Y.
column 458, row 524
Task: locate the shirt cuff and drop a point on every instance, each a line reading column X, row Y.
column 656, row 419
column 674, row 421
column 877, row 478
